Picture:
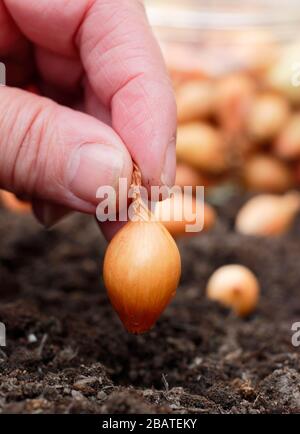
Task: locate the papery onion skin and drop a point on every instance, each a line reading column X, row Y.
column 142, row 268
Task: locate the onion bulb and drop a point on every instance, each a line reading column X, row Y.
column 265, row 173
column 268, row 115
column 188, row 176
column 282, row 77
column 287, row 145
column 167, row 210
column 234, row 286
column 195, row 100
column 267, row 214
column 12, row 203
column 141, row 269
column 202, row 146
column 234, row 94
column 296, row 173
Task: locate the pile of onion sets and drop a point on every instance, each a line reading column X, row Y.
column 142, row 267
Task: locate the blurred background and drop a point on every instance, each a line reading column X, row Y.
column 235, row 67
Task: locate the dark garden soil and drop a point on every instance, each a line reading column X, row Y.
column 199, row 358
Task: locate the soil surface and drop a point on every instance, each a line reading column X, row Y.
column 68, row 353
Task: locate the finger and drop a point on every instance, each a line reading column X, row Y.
column 48, row 214
column 14, row 50
column 63, row 72
column 124, row 66
column 94, row 107
column 10, row 34
column 51, row 25
column 126, row 71
column 56, row 154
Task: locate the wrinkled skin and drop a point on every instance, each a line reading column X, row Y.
column 107, row 99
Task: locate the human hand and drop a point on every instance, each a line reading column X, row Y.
column 100, row 58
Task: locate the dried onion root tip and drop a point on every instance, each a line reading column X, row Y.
column 236, row 287
column 12, row 203
column 287, row 145
column 167, row 210
column 267, row 214
column 142, row 268
column 279, row 76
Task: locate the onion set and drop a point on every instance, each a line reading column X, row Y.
column 235, row 287
column 202, row 146
column 234, row 95
column 266, row 173
column 142, row 267
column 195, row 100
column 267, row 214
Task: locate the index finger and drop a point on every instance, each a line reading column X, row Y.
column 127, row 71
column 124, row 66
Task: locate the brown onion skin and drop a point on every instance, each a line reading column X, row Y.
column 268, row 115
column 142, row 268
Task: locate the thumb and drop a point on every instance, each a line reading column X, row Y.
column 55, row 154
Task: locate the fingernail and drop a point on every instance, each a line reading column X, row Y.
column 93, row 166
column 53, row 214
column 169, row 169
